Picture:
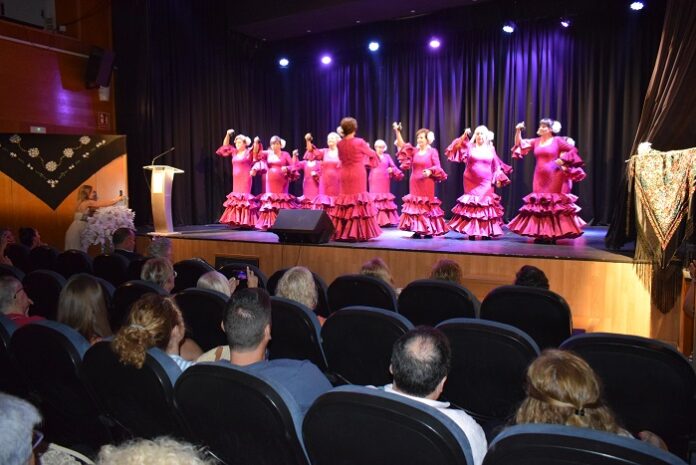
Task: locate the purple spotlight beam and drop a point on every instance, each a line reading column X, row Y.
column 326, row 59
column 434, row 43
column 636, row 6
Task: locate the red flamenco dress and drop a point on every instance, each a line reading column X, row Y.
column 279, row 171
column 329, row 177
column 478, row 212
column 354, row 215
column 549, row 212
column 311, row 173
column 241, row 208
column 380, row 189
column 420, row 211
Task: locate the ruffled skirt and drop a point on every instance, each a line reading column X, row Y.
column 548, row 216
column 478, row 216
column 386, row 209
column 270, row 204
column 325, row 202
column 354, row 218
column 240, row 210
column 307, row 203
column 423, row 215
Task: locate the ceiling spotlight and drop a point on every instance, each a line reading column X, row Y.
column 636, row 6
column 326, row 60
column 434, row 43
column 283, row 62
column 565, row 22
column 373, row 46
column 509, row 27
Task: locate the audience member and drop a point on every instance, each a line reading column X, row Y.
column 420, row 362
column 17, row 421
column 124, row 243
column 161, row 247
column 563, row 389
column 298, row 284
column 154, row 321
column 14, row 301
column 217, row 281
column 82, row 306
column 30, row 237
column 6, row 238
column 447, row 270
column 377, row 268
column 531, row 276
column 159, row 271
column 158, row 451
column 247, row 325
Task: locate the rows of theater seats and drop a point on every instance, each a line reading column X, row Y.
column 649, row 384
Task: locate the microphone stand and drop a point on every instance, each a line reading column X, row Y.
column 162, row 154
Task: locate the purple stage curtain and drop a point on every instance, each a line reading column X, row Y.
column 184, row 77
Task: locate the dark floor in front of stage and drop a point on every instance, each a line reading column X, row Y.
column 590, row 246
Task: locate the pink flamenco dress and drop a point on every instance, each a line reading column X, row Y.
column 311, row 171
column 421, row 212
column 380, row 189
column 329, row 178
column 279, row 171
column 241, row 209
column 478, row 212
column 549, row 212
column 354, row 215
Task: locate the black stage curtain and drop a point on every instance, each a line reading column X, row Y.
column 184, row 77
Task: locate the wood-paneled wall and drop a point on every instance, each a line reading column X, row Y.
column 603, row 296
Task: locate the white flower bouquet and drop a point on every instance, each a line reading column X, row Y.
column 102, row 224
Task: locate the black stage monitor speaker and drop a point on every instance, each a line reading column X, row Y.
column 99, row 67
column 303, row 226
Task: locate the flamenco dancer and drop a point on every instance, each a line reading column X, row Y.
column 279, row 169
column 329, row 177
column 378, row 182
column 354, row 215
column 241, row 208
column 549, row 212
column 420, row 211
column 478, row 212
column 311, row 173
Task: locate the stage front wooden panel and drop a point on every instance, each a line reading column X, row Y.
column 19, row 207
column 603, row 295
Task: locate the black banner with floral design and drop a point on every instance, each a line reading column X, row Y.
column 52, row 166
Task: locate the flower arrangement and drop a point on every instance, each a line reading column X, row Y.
column 102, row 224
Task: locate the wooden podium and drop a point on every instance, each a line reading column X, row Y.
column 161, row 196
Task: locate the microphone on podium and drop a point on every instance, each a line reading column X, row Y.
column 162, row 154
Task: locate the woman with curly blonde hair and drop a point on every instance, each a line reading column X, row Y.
column 563, row 389
column 298, row 284
column 158, row 451
column 154, row 321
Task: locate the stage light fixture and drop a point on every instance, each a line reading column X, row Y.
column 373, row 46
column 637, row 6
column 283, row 62
column 565, row 22
column 434, row 43
column 509, row 27
column 326, row 60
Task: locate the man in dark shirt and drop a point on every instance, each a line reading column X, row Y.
column 124, row 243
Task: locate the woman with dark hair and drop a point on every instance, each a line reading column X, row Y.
column 531, row 276
column 354, row 215
column 279, row 169
column 549, row 212
column 420, row 211
column 563, row 389
column 81, row 305
column 154, row 321
column 478, row 212
column 241, row 208
column 447, row 270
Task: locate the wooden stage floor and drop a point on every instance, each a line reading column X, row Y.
column 601, row 286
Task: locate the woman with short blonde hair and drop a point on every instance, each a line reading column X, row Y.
column 298, row 284
column 159, row 271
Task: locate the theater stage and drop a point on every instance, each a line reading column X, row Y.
column 601, row 286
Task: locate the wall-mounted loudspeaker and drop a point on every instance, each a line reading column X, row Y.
column 99, row 67
column 303, row 226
